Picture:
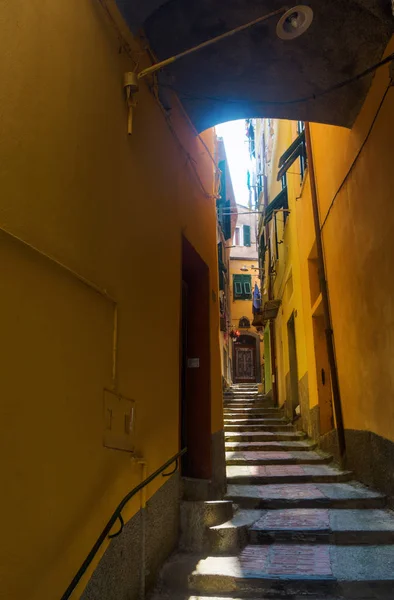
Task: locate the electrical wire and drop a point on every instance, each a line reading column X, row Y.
column 357, row 155
column 313, row 96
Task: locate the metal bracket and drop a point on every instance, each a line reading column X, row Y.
column 171, row 472
column 113, row 535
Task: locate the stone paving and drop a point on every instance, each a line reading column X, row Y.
column 302, row 528
column 272, row 457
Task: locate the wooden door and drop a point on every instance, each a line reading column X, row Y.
column 245, row 364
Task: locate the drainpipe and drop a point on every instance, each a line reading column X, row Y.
column 326, row 302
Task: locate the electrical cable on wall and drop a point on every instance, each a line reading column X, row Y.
column 357, row 155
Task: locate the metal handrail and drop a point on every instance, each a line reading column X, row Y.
column 115, row 516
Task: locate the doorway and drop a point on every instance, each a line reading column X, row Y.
column 245, row 360
column 195, row 398
column 323, row 376
column 291, row 337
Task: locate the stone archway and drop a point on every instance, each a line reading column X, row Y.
column 257, row 74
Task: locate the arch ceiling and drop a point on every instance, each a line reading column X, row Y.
column 254, row 73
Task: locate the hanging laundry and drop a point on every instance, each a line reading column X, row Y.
column 256, row 299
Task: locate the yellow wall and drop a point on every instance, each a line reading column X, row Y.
column 242, row 308
column 359, row 252
column 287, row 281
column 113, row 209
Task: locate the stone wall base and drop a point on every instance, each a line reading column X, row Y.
column 368, row 455
column 118, row 574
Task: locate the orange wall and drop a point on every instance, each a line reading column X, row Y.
column 359, row 251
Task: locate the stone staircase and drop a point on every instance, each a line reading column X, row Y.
column 292, row 525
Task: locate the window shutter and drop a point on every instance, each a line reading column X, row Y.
column 221, row 280
column 222, row 267
column 295, row 150
column 238, row 288
column 227, row 220
column 220, row 253
column 246, row 235
column 247, row 285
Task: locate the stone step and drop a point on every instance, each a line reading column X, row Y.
column 254, row 413
column 254, row 420
column 350, row 495
column 232, row 536
column 247, row 426
column 243, row 394
column 246, row 405
column 261, row 436
column 289, row 570
column 258, row 475
column 251, row 407
column 270, row 446
column 166, row 595
column 196, row 517
column 247, row 397
column 277, row 458
column 323, row 526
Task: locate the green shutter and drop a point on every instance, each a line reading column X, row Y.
column 238, row 287
column 221, row 266
column 297, row 149
column 246, row 235
column 247, row 285
column 222, row 167
column 226, row 228
column 221, row 280
column 220, row 253
column 242, row 287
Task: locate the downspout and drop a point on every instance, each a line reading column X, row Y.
column 271, row 297
column 326, row 302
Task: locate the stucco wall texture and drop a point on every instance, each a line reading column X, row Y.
column 359, row 253
column 111, row 208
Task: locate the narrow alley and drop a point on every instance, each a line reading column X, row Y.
column 197, row 299
column 292, row 523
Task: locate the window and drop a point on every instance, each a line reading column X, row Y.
column 279, row 202
column 246, row 231
column 295, row 150
column 222, row 267
column 300, row 129
column 223, row 206
column 242, row 285
column 237, row 237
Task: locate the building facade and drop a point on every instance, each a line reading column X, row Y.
column 226, row 223
column 244, row 274
column 350, row 168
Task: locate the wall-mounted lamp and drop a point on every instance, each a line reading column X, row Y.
column 131, row 86
column 293, row 23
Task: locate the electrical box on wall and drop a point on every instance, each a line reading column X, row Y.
column 119, row 421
